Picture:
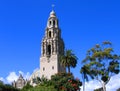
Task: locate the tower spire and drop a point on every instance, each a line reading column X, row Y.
column 52, row 48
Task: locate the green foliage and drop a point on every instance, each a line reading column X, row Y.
column 40, row 88
column 7, row 87
column 42, row 81
column 100, row 63
column 36, row 80
column 68, row 59
column 44, row 86
column 65, row 82
column 1, row 82
column 26, row 87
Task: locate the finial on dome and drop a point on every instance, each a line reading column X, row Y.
column 52, row 13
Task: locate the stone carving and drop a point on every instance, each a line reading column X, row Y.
column 20, row 83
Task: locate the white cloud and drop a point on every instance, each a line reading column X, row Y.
column 11, row 77
column 113, row 84
column 2, row 79
column 91, row 85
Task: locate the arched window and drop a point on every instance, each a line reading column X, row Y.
column 49, row 34
column 53, row 22
column 49, row 50
column 49, row 23
column 53, row 67
column 43, row 68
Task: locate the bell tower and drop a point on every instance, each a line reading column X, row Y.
column 52, row 47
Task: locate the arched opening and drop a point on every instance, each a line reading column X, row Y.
column 53, row 22
column 53, row 67
column 49, row 34
column 49, row 50
column 43, row 68
column 49, row 23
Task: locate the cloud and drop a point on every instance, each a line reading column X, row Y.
column 13, row 76
column 2, row 79
column 91, row 85
column 113, row 84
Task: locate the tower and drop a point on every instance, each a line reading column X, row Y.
column 52, row 47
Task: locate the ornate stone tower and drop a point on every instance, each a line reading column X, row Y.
column 52, row 48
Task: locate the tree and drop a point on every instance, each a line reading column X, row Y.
column 84, row 71
column 1, row 82
column 68, row 60
column 36, row 80
column 7, row 87
column 27, row 87
column 101, row 63
column 65, row 82
column 42, row 81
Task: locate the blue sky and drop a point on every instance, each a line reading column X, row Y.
column 84, row 23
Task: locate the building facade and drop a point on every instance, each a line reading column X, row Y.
column 52, row 47
column 20, row 83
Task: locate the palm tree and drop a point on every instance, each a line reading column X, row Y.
column 68, row 60
column 84, row 71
